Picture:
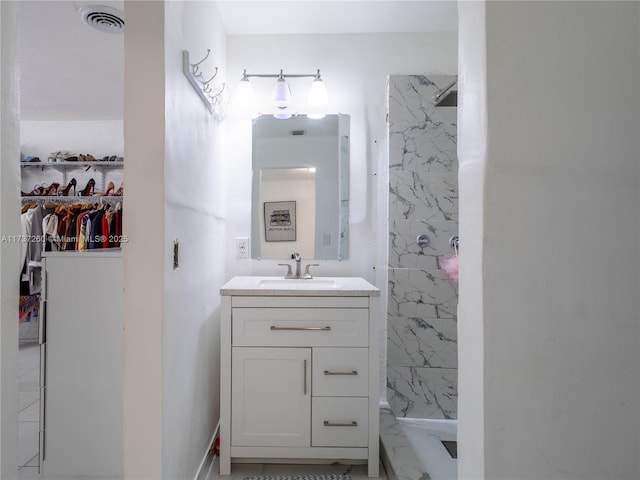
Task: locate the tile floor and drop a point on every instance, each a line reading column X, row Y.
column 29, row 409
column 240, row 471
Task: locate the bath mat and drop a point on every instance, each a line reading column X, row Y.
column 340, row 476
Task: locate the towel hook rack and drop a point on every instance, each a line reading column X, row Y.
column 212, row 98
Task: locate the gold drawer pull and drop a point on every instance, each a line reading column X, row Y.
column 353, row 372
column 273, row 327
column 327, row 423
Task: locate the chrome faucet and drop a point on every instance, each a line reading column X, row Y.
column 307, row 275
column 296, row 256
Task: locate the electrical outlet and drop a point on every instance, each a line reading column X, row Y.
column 242, row 247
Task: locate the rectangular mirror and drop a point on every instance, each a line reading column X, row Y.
column 300, row 189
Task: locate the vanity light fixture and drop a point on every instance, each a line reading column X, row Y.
column 281, row 94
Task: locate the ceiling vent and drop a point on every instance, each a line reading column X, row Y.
column 103, row 18
column 297, row 132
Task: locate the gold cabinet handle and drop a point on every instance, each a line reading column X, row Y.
column 327, row 423
column 352, row 372
column 273, row 327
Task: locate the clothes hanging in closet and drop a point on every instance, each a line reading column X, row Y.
column 84, row 227
column 31, row 249
column 64, row 228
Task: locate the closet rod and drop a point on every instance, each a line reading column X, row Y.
column 57, row 200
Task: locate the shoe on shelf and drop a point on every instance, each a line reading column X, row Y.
column 62, row 156
column 86, row 157
column 52, row 190
column 38, row 190
column 108, row 191
column 43, row 190
column 67, row 157
column 87, row 191
column 55, row 157
column 64, row 191
column 120, row 191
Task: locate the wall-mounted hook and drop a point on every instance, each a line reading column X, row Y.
column 195, row 66
column 206, row 82
column 213, row 101
column 216, row 98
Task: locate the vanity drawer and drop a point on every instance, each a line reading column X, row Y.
column 340, row 372
column 300, row 327
column 339, row 422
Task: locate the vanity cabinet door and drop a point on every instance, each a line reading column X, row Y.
column 271, row 396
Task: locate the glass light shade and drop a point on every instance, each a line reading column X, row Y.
column 318, row 94
column 284, row 115
column 245, row 98
column 281, row 93
column 316, row 116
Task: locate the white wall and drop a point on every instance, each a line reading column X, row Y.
column 560, row 260
column 195, row 211
column 9, row 225
column 175, row 191
column 472, row 149
column 144, row 255
column 98, row 138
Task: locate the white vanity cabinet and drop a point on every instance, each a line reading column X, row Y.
column 299, row 373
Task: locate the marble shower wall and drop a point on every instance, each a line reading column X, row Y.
column 422, row 353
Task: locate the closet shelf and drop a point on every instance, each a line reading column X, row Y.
column 62, row 200
column 65, row 165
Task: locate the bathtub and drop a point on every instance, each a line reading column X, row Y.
column 412, row 448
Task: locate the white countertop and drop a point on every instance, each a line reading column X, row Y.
column 318, row 286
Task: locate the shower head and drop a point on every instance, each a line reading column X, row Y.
column 449, row 100
column 447, row 97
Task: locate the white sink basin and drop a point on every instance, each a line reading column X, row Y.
column 319, row 286
column 296, row 283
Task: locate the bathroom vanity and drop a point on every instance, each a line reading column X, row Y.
column 299, row 374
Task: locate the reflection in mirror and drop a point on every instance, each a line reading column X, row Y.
column 300, row 191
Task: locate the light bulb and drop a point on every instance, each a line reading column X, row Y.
column 281, row 93
column 245, row 98
column 318, row 93
column 282, row 115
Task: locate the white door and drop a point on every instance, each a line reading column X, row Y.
column 271, row 396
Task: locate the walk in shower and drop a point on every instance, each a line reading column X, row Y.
column 422, row 299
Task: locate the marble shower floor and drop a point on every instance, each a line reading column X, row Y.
column 399, row 455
